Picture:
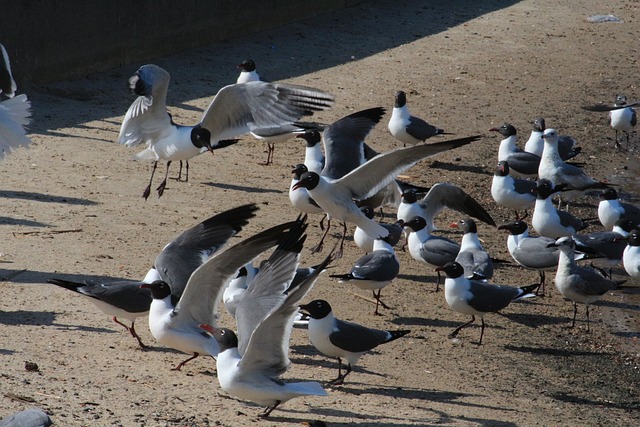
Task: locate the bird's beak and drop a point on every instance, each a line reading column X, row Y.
column 552, row 245
column 296, row 185
column 494, row 130
column 503, row 227
column 145, row 286
column 207, row 328
column 304, row 310
column 439, row 269
column 453, row 225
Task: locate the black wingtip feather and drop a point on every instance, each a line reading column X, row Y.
column 396, row 334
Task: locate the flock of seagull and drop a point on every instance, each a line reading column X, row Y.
column 345, row 180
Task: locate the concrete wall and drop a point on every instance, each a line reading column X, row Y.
column 57, row 39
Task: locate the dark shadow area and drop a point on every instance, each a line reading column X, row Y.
column 457, row 167
column 566, row 397
column 22, row 317
column 363, row 30
column 422, row 321
column 41, row 197
column 552, row 351
column 41, row 277
column 5, row 220
column 241, row 188
column 535, row 319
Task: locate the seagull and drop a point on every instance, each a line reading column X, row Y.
column 248, row 72
column 522, row 163
column 441, row 195
column 611, row 209
column 622, row 119
column 406, row 128
column 174, row 264
column 472, row 256
column 279, row 135
column 236, row 109
column 123, row 298
column 535, row 144
column 579, row 284
column 435, row 251
column 553, row 168
column 475, row 298
column 174, row 322
column 549, row 221
column 299, row 196
column 336, row 196
column 510, row 192
column 532, row 252
column 374, row 271
column 364, row 242
column 250, row 364
column 313, row 156
column 607, row 246
column 341, row 339
column 237, row 287
column 631, row 255
column 15, row 112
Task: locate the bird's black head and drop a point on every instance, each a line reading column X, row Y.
column 308, row 180
column 539, row 125
column 226, row 337
column 159, row 289
column 401, row 99
column 367, row 211
column 515, row 227
column 316, row 309
column 467, row 225
column 247, row 65
column 298, row 170
column 502, row 169
column 543, row 189
column 312, row 137
column 201, row 137
column 452, row 270
column 608, row 194
column 634, row 238
column 505, row 130
column 620, row 100
column 416, row 223
column 409, row 196
column 626, row 224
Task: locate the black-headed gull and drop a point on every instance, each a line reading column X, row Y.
column 549, row 221
column 435, row 251
column 250, row 364
column 579, row 284
column 631, row 255
column 337, row 196
column 374, row 271
column 472, row 256
column 341, row 339
column 611, row 209
column 364, row 242
column 510, row 192
column 475, row 298
column 15, row 112
column 622, row 119
column 236, row 109
column 406, row 128
column 522, row 163
column 248, row 72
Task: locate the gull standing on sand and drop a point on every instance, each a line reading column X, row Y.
column 622, row 119
column 579, row 284
column 250, row 364
column 364, row 242
column 522, row 163
column 374, row 271
column 475, row 298
column 549, row 221
column 406, row 128
column 337, row 196
column 611, row 209
column 341, row 339
column 510, row 192
column 472, row 256
column 631, row 255
column 236, row 109
column 535, row 144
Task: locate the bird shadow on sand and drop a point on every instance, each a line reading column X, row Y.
column 457, row 167
column 534, row 319
column 5, row 220
column 548, row 351
column 40, row 277
column 423, row 321
column 566, row 397
column 241, row 188
column 48, row 198
column 43, row 318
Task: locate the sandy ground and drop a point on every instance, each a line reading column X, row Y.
column 72, row 208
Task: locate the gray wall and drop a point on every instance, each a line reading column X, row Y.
column 57, row 39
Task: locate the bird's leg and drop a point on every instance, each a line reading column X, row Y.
column 115, row 319
column 540, row 290
column 181, row 364
column 341, row 377
column 587, row 317
column 575, row 313
column 179, row 177
column 163, row 184
column 322, row 222
column 186, row 179
column 379, row 301
column 517, row 214
column 438, row 282
column 320, row 245
column 269, row 409
column 133, row 332
column 147, row 190
column 456, row 330
column 339, row 252
column 481, row 330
